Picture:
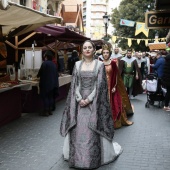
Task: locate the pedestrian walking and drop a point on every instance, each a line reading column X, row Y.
column 87, row 123
column 166, row 81
column 72, row 60
column 159, row 65
column 119, row 100
column 131, row 75
column 48, row 84
column 158, row 68
column 141, row 64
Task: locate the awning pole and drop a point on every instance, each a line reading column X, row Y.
column 56, row 50
column 16, row 58
column 1, row 36
column 16, row 50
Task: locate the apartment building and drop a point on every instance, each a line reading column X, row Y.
column 93, row 12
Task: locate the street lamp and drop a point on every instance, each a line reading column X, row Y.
column 106, row 20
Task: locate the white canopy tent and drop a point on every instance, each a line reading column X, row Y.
column 16, row 19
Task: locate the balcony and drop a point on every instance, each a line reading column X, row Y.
column 100, row 2
column 97, row 15
column 98, row 10
column 57, row 0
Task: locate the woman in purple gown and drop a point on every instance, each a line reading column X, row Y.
column 87, row 123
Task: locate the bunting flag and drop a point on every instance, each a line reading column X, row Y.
column 146, row 42
column 97, row 35
column 138, row 41
column 141, row 27
column 127, row 23
column 129, row 42
column 41, row 8
column 114, row 38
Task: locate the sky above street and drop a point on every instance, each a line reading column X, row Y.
column 114, row 3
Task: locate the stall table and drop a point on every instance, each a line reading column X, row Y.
column 31, row 100
column 10, row 103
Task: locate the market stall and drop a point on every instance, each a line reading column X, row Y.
column 157, row 46
column 10, row 99
column 31, row 101
column 15, row 20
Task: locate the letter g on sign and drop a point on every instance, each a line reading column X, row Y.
column 153, row 19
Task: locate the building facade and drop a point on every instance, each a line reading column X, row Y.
column 93, row 12
column 71, row 12
column 51, row 7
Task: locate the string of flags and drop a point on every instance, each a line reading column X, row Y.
column 140, row 26
column 114, row 38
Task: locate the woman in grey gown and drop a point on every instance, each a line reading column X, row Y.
column 87, row 123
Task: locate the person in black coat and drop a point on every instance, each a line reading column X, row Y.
column 72, row 60
column 48, row 83
column 166, row 81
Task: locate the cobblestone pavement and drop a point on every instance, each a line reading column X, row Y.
column 33, row 142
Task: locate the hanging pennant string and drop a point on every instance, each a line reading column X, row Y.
column 114, row 38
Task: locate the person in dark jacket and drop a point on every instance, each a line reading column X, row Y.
column 48, row 83
column 72, row 60
column 159, row 64
column 158, row 69
column 166, row 81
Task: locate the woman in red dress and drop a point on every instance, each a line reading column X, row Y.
column 119, row 101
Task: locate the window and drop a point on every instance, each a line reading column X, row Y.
column 23, row 2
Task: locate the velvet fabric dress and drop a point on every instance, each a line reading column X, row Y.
column 88, row 130
column 119, row 101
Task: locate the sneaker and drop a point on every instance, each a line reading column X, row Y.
column 167, row 109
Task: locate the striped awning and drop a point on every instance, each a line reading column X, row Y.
column 157, row 46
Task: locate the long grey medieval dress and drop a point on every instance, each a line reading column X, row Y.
column 84, row 146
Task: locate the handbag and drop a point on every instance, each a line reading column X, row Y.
column 144, row 84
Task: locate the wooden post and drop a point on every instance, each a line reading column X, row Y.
column 16, row 50
column 3, row 53
column 1, row 35
column 56, row 50
column 16, row 58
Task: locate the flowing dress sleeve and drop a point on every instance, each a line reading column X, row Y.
column 69, row 114
column 101, row 120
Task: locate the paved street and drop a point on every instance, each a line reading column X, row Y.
column 33, row 142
